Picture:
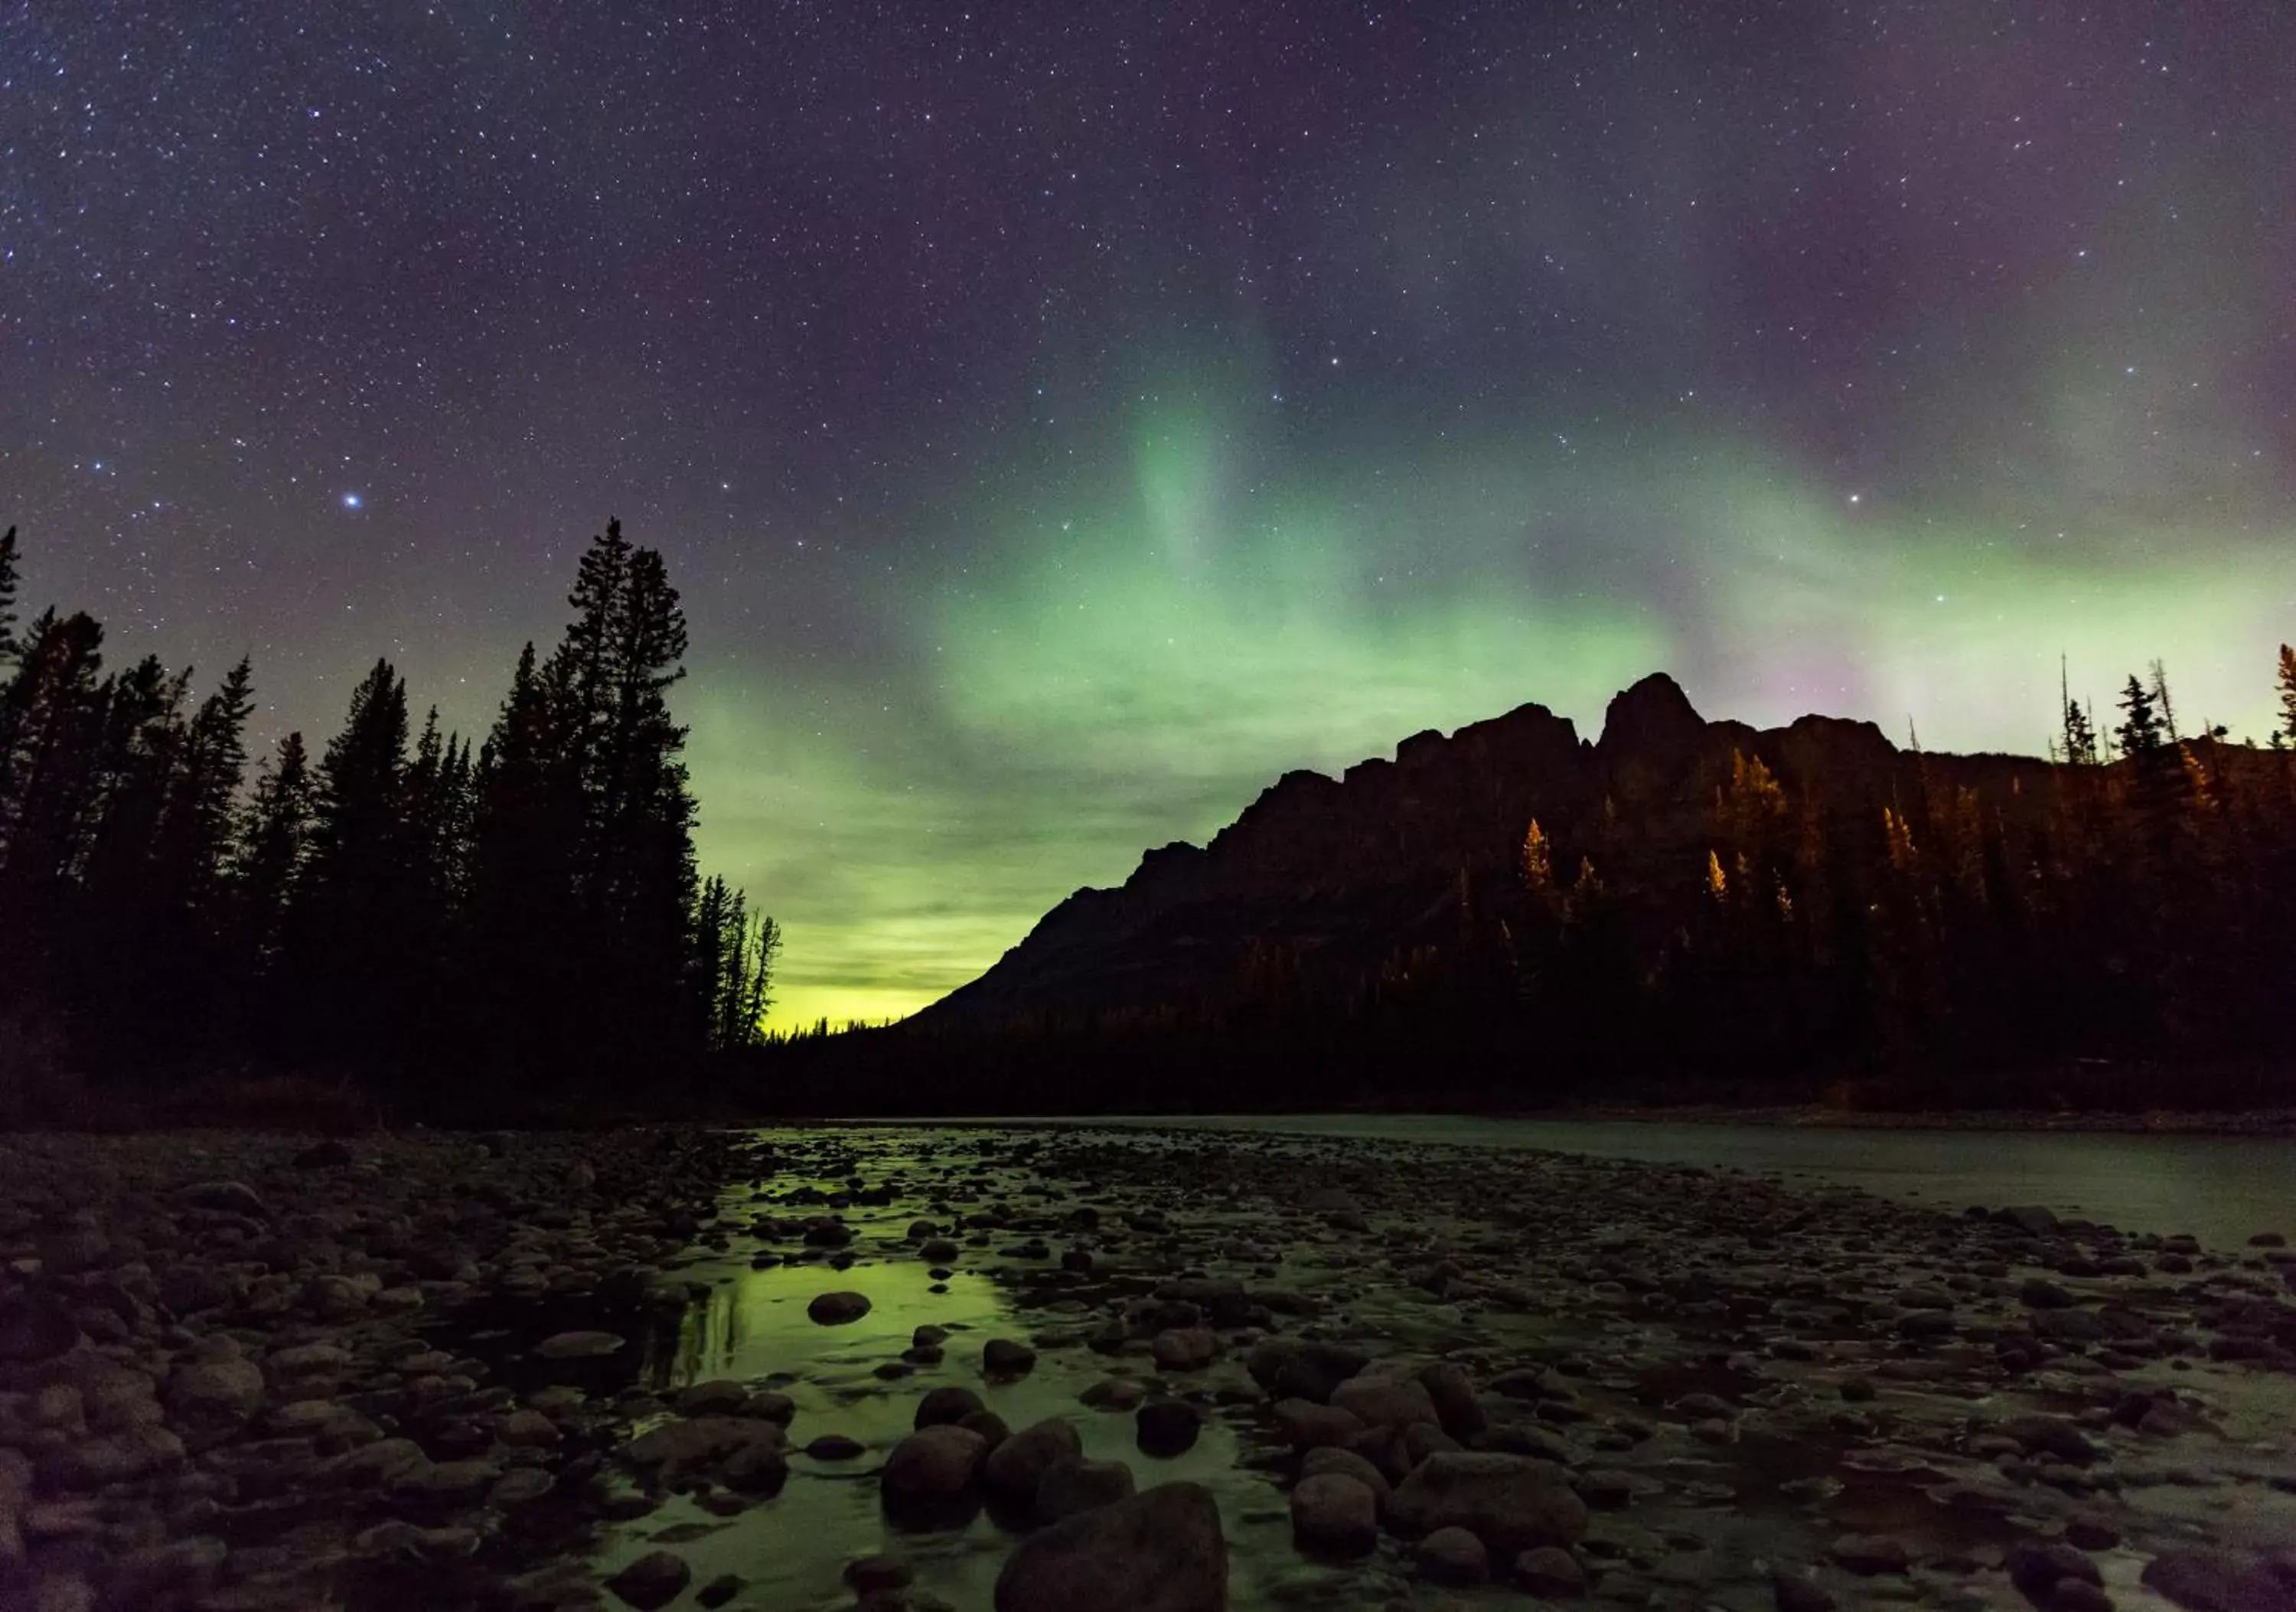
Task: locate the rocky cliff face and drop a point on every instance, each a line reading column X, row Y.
column 1338, row 873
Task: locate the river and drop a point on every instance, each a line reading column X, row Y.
column 2219, row 1189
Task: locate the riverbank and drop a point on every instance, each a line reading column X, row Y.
column 677, row 1368
column 2151, row 1122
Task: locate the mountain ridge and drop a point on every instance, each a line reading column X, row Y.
column 1342, row 870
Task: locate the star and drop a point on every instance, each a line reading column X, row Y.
column 354, row 500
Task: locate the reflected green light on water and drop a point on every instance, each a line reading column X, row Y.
column 751, row 1324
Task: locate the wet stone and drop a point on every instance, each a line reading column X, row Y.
column 654, row 1580
column 1160, row 1551
column 1002, row 1357
column 1073, row 1485
column 1452, row 1556
column 1168, row 1427
column 1550, row 1573
column 950, row 1402
column 838, row 1308
column 1017, row 1465
column 1868, row 1554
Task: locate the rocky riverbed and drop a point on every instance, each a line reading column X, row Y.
column 1077, row 1369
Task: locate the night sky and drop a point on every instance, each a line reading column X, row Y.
column 1062, row 419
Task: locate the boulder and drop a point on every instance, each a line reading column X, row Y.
column 1551, row 1572
column 722, row 1396
column 1335, row 1514
column 231, row 1197
column 933, row 1464
column 1167, row 1427
column 1513, row 1503
column 838, row 1308
column 949, row 1402
column 578, row 1346
column 1013, row 1469
column 1794, row 1592
column 2218, row 1581
column 1160, row 1551
column 1315, row 1463
column 1186, row 1348
column 1002, row 1357
column 2031, row 1219
column 698, row 1441
column 70, row 1250
column 1452, row 1556
column 1114, row 1395
column 1287, row 1368
column 1868, row 1554
column 176, row 1574
column 1309, row 1425
column 654, row 1580
column 215, row 1394
column 1074, row 1486
column 1379, row 1401
column 2052, row 1436
column 2037, row 1567
column 111, row 1457
column 1457, row 1408
column 35, row 1324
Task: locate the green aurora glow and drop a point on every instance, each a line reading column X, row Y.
column 1131, row 669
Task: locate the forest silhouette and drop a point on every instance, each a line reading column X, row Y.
column 450, row 926
column 519, row 927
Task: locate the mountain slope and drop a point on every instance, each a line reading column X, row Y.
column 1327, row 881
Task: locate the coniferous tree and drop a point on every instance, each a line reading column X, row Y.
column 195, row 829
column 2080, row 736
column 9, row 646
column 551, row 876
column 2287, row 681
column 527, row 842
column 51, row 726
column 121, row 949
column 615, row 777
column 2140, row 732
column 272, row 844
column 351, row 969
column 2166, row 706
column 733, row 960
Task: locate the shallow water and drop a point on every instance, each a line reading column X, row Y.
column 1705, row 1515
column 2218, row 1188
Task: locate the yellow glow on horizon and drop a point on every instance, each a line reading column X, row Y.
column 800, row 1006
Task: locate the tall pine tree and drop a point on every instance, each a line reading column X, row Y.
column 352, row 969
column 9, row 646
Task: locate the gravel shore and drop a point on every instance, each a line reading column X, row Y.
column 930, row 1367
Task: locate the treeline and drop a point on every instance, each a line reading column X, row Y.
column 441, row 920
column 2117, row 928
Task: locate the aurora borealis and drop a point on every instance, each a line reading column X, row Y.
column 1061, row 421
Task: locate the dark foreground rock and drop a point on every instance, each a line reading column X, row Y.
column 218, row 1388
column 1160, row 1551
column 546, row 1372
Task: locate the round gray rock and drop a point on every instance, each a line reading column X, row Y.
column 1160, row 1551
column 1335, row 1514
column 934, row 1463
column 1016, row 1467
column 836, row 1309
column 1513, row 1503
column 1070, row 1486
column 1453, row 1556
